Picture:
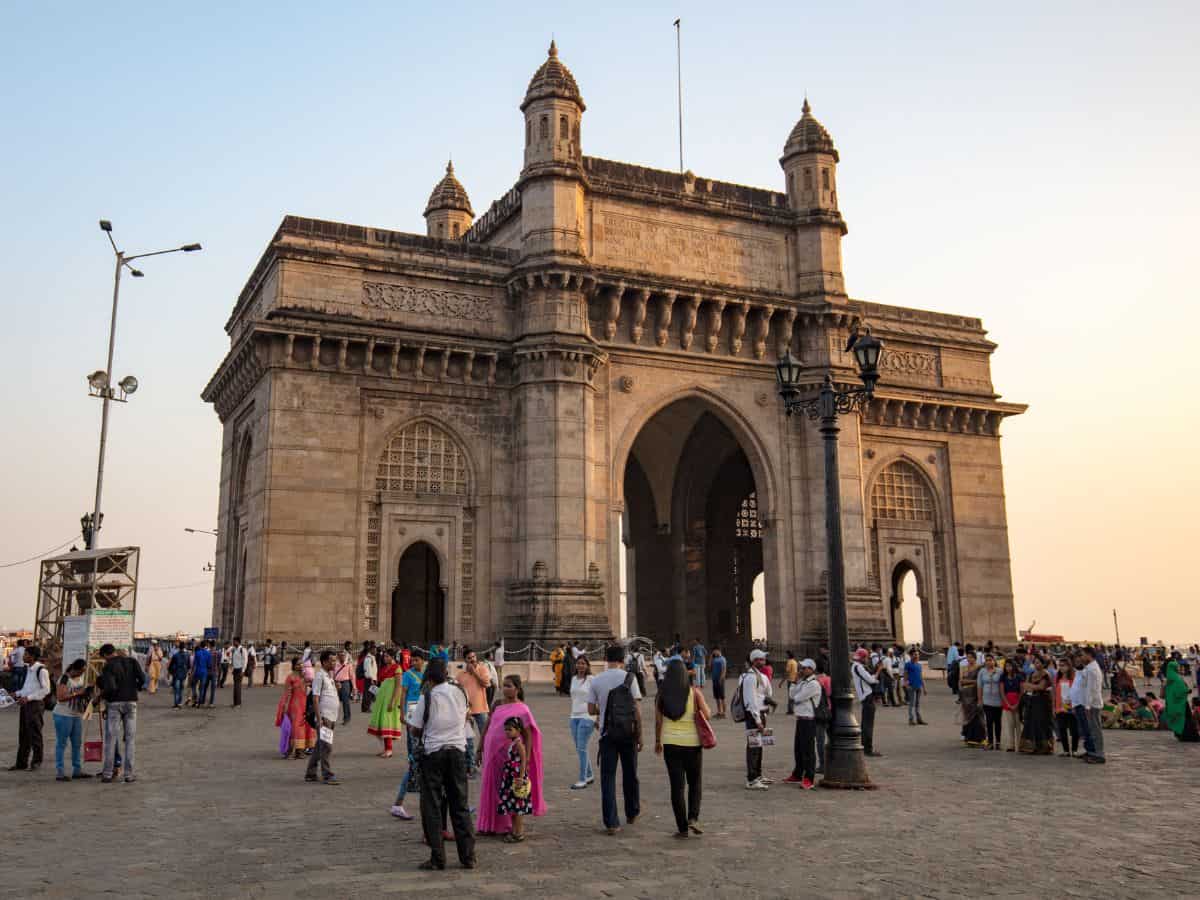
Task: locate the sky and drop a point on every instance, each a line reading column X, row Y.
column 1032, row 164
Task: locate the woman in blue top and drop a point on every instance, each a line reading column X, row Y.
column 411, row 686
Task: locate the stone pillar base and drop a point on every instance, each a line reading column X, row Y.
column 551, row 611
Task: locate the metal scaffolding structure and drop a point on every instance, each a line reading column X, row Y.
column 74, row 584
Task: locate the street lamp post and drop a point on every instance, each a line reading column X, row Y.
column 101, row 382
column 845, row 765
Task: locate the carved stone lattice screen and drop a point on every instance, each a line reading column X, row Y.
column 422, row 459
column 900, row 494
column 748, row 525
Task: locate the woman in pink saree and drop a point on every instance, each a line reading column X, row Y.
column 493, row 753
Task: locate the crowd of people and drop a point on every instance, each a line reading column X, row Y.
column 1026, row 700
column 461, row 718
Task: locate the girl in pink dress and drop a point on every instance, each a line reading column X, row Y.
column 493, row 755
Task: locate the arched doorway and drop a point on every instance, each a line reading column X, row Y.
column 908, row 602
column 692, row 533
column 419, row 600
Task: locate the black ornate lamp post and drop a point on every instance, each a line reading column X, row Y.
column 845, row 766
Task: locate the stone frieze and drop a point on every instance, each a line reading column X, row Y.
column 428, row 301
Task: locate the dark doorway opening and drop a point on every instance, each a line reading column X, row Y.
column 418, row 600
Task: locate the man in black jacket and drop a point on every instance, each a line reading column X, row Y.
column 120, row 680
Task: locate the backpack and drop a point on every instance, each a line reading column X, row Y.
column 737, row 706
column 821, row 709
column 631, row 665
column 620, row 713
column 51, row 699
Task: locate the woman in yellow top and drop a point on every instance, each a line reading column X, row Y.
column 677, row 740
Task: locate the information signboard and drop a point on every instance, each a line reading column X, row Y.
column 212, row 634
column 75, row 639
column 110, row 626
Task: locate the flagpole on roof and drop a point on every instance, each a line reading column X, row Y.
column 679, row 88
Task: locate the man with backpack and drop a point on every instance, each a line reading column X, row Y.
column 613, row 697
column 32, row 696
column 177, row 670
column 750, row 706
column 635, row 662
column 811, row 708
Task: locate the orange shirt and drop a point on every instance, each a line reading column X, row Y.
column 475, row 684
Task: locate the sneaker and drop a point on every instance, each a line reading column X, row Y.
column 696, row 827
column 765, row 780
column 130, row 779
column 106, row 779
column 78, row 775
column 579, row 785
column 755, row 785
column 401, row 813
column 61, row 777
column 312, row 779
column 791, row 779
column 330, row 779
column 591, row 779
column 806, row 785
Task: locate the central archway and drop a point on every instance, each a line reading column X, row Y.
column 419, row 600
column 692, row 525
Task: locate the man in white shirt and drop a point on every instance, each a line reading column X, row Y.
column 237, row 660
column 31, row 695
column 270, row 660
column 617, row 744
column 325, row 696
column 440, row 720
column 755, row 689
column 1091, row 699
column 805, row 695
column 864, row 688
column 370, row 670
column 498, row 659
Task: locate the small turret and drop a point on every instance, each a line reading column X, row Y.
column 553, row 109
column 809, row 164
column 448, row 213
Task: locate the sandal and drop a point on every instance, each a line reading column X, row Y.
column 511, row 838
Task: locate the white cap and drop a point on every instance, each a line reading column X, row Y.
column 807, row 664
column 756, row 655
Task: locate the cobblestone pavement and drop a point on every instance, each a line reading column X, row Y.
column 216, row 811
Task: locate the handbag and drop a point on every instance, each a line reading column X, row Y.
column 522, row 788
column 93, row 751
column 708, row 738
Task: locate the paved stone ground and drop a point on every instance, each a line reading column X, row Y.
column 216, row 811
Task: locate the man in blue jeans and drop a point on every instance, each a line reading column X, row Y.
column 699, row 659
column 202, row 674
column 612, row 748
column 119, row 682
column 177, row 668
column 914, row 683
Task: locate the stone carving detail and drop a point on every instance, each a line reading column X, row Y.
column 614, row 312
column 428, row 301
column 666, row 305
column 689, row 322
column 908, row 362
column 639, row 315
column 785, row 333
column 741, row 311
column 625, row 383
column 715, row 309
column 762, row 328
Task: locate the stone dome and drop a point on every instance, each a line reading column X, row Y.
column 449, row 194
column 809, row 136
column 553, row 79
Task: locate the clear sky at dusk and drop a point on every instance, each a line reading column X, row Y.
column 1032, row 164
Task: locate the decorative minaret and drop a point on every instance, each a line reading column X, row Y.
column 559, row 544
column 809, row 163
column 448, row 213
column 552, row 180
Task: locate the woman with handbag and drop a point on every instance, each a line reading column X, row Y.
column 292, row 702
column 681, row 731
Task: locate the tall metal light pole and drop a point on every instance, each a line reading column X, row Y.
column 101, row 382
column 845, row 766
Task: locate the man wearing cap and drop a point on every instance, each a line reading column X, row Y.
column 806, row 697
column 864, row 689
column 755, row 688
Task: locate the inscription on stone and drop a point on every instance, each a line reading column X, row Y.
column 428, row 301
column 701, row 253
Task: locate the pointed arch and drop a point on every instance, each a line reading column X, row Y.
column 729, row 415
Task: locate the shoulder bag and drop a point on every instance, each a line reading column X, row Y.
column 708, row 738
